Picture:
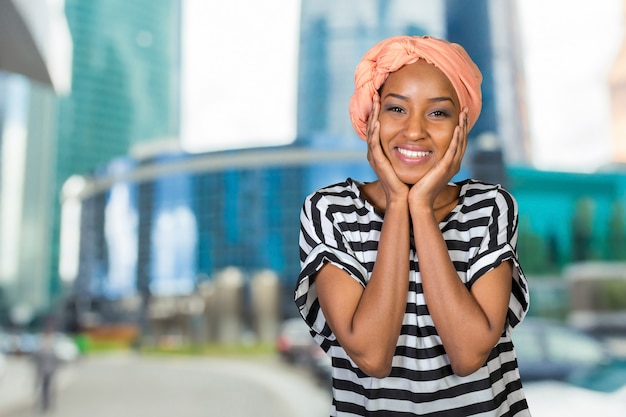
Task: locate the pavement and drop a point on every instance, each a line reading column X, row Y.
column 107, row 385
column 130, row 384
column 17, row 384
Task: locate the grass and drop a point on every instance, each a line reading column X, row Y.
column 213, row 349
column 96, row 346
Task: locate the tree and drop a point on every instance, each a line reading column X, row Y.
column 616, row 236
column 582, row 230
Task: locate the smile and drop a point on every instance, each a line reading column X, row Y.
column 413, row 154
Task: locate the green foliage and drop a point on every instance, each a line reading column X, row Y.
column 582, row 230
column 531, row 249
column 543, row 253
column 549, row 297
column 89, row 345
column 616, row 237
column 214, row 349
column 612, row 295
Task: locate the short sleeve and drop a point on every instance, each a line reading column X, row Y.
column 499, row 245
column 321, row 241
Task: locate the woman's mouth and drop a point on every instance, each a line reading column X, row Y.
column 411, row 154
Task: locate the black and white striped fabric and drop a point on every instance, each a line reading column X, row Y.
column 339, row 226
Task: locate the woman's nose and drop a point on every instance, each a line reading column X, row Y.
column 415, row 128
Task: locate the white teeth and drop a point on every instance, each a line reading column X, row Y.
column 413, row 154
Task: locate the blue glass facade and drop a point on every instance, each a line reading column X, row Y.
column 246, row 219
column 186, row 226
column 173, row 235
column 120, row 231
column 468, row 23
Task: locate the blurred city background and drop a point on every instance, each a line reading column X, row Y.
column 155, row 156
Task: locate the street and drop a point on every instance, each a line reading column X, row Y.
column 132, row 385
column 135, row 386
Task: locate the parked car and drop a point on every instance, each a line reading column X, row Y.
column 65, row 348
column 18, row 343
column 26, row 343
column 296, row 346
column 553, row 351
column 295, row 343
column 321, row 367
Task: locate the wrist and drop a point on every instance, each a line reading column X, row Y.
column 421, row 210
column 397, row 204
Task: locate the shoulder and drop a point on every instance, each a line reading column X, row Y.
column 343, row 194
column 338, row 188
column 481, row 193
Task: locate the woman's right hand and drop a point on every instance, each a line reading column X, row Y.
column 394, row 188
column 367, row 319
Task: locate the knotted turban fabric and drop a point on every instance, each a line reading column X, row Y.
column 393, row 53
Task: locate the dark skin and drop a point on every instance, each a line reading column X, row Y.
column 417, row 136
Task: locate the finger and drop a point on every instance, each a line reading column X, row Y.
column 454, row 154
column 463, row 122
column 459, row 141
column 373, row 144
column 465, row 133
column 373, row 137
column 454, row 143
column 373, row 117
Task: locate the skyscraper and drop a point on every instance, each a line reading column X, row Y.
column 125, row 86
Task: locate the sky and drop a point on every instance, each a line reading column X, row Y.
column 568, row 48
column 228, row 106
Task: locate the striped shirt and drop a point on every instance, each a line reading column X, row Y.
column 340, row 227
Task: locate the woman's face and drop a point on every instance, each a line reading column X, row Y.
column 419, row 110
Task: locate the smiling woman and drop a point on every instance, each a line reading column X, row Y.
column 411, row 283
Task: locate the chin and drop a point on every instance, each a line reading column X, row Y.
column 411, row 179
column 410, row 174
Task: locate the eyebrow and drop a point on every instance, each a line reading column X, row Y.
column 433, row 99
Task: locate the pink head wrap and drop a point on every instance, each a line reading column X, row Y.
column 393, row 53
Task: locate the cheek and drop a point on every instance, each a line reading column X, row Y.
column 445, row 132
column 387, row 129
column 385, row 137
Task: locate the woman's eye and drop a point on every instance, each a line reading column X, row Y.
column 439, row 113
column 395, row 109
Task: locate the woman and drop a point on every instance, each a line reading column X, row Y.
column 411, row 283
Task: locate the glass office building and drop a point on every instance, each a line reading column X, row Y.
column 124, row 95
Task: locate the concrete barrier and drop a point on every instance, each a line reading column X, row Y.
column 229, row 285
column 265, row 294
